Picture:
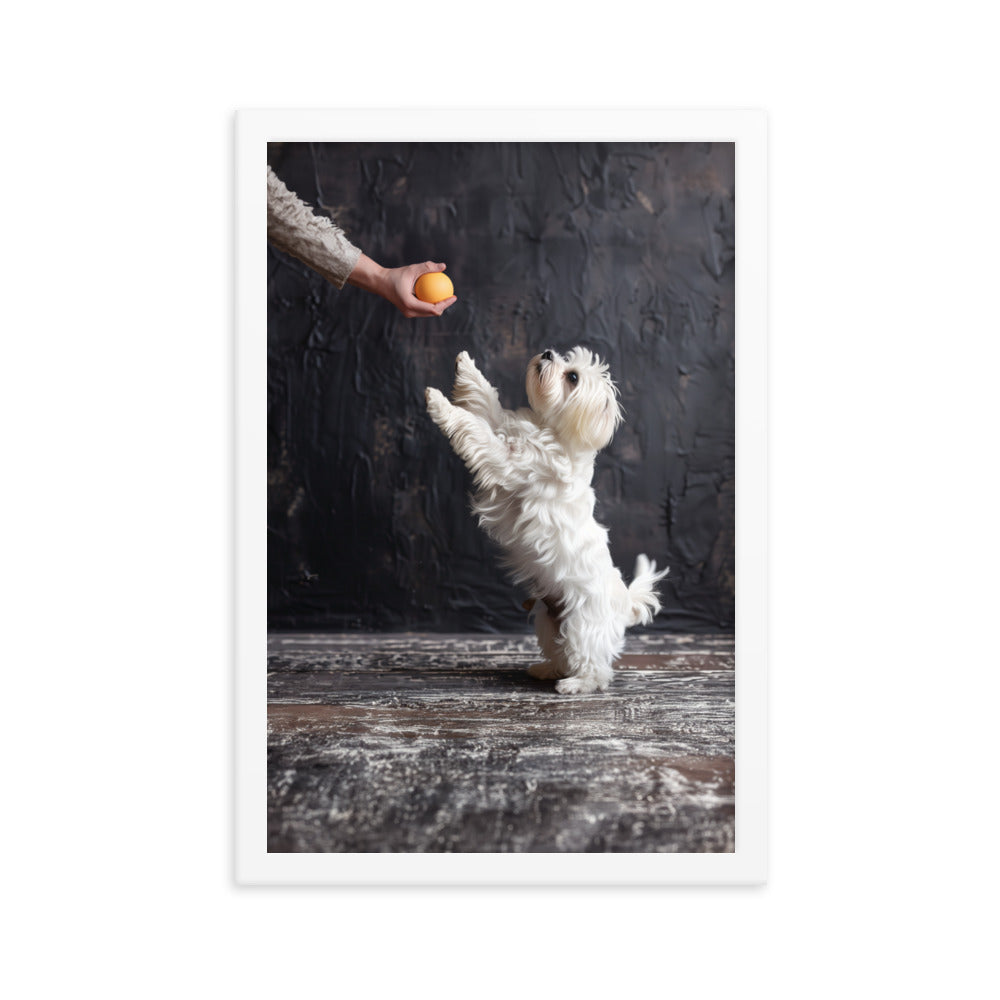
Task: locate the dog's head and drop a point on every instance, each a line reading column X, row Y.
column 574, row 395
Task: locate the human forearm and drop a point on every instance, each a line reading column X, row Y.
column 313, row 239
column 316, row 241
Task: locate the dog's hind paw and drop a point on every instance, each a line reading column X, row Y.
column 580, row 685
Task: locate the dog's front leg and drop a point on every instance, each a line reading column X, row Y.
column 485, row 455
column 473, row 393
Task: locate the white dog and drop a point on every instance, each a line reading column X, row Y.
column 532, row 472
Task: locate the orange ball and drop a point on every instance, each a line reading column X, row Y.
column 434, row 286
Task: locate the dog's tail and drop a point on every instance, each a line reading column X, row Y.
column 643, row 600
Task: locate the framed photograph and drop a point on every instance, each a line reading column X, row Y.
column 500, row 497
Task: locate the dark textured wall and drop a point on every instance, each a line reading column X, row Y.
column 625, row 248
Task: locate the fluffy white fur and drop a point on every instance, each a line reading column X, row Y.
column 532, row 470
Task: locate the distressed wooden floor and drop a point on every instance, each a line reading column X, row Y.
column 443, row 743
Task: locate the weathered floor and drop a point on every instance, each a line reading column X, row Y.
column 444, row 743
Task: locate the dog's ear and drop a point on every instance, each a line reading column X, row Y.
column 590, row 413
column 592, row 418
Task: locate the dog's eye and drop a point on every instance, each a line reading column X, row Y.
column 573, row 377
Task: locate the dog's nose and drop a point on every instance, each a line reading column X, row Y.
column 546, row 355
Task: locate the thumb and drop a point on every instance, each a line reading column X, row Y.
column 429, row 265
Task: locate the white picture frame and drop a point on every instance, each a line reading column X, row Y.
column 747, row 865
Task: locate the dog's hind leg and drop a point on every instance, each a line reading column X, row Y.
column 553, row 663
column 591, row 644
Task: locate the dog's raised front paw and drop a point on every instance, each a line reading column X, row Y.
column 436, row 403
column 466, row 370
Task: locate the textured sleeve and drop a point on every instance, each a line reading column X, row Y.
column 314, row 239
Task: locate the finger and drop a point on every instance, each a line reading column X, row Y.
column 418, row 309
column 413, row 307
column 445, row 304
column 428, row 266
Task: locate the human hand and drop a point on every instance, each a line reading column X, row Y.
column 395, row 285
